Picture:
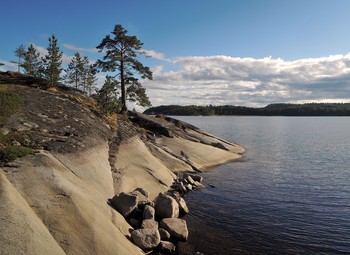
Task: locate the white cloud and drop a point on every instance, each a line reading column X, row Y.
column 154, row 54
column 8, row 66
column 249, row 81
column 75, row 48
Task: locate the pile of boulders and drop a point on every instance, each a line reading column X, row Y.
column 187, row 182
column 157, row 225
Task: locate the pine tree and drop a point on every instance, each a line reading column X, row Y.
column 121, row 53
column 75, row 70
column 136, row 93
column 20, row 53
column 108, row 97
column 85, row 70
column 52, row 62
column 90, row 79
column 32, row 64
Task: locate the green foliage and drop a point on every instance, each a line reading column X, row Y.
column 121, row 51
column 108, row 96
column 20, row 53
column 313, row 109
column 89, row 78
column 32, row 64
column 9, row 104
column 75, row 70
column 136, row 93
column 81, row 74
column 52, row 62
column 10, row 153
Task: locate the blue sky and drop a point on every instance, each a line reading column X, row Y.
column 241, row 52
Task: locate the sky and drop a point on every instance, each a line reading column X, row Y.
column 236, row 52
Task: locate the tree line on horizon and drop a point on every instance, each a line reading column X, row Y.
column 120, row 62
column 309, row 109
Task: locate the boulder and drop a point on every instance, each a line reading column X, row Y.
column 164, row 235
column 189, row 187
column 135, row 223
column 142, row 200
column 176, row 227
column 198, row 185
column 194, row 177
column 146, row 238
column 125, row 203
column 166, row 207
column 189, row 179
column 149, row 224
column 166, row 247
column 181, row 202
column 180, row 186
column 148, row 213
column 143, row 192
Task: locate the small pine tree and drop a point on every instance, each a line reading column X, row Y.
column 20, row 53
column 107, row 96
column 52, row 62
column 75, row 70
column 90, row 79
column 32, row 64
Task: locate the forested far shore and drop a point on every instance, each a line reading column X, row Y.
column 309, row 109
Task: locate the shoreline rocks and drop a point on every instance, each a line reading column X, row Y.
column 157, row 225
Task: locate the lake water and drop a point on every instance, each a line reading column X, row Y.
column 289, row 195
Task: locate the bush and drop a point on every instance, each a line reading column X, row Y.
column 9, row 104
column 10, row 153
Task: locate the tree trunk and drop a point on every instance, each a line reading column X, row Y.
column 122, row 84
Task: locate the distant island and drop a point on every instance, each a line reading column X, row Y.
column 309, row 109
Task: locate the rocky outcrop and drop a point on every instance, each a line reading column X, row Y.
column 54, row 201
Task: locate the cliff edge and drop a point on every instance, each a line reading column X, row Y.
column 54, row 199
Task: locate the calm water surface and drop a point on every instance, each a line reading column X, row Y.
column 289, row 195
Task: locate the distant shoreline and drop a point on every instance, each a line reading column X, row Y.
column 305, row 110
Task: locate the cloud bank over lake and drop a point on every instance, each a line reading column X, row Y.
column 204, row 80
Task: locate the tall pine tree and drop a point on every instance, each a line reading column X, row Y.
column 52, row 62
column 32, row 64
column 121, row 52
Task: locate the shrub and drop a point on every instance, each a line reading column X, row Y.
column 10, row 153
column 9, row 103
